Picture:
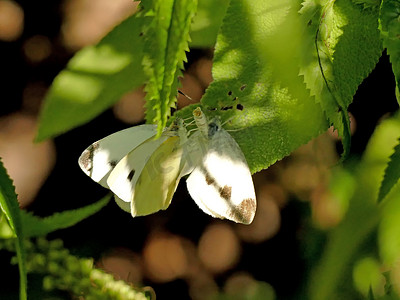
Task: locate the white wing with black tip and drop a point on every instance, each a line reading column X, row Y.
column 221, row 184
column 100, row 158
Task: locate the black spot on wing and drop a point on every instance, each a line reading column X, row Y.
column 86, row 159
column 210, row 180
column 242, row 213
column 130, row 175
column 112, row 163
column 245, row 211
column 226, row 192
column 242, row 87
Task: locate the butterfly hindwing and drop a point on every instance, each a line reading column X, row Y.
column 125, row 206
column 159, row 178
column 123, row 178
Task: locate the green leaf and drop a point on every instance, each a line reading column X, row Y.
column 10, row 207
column 390, row 31
column 94, row 79
column 6, row 231
column 367, row 3
column 389, row 230
column 206, row 23
column 367, row 275
column 341, row 48
column 256, row 65
column 371, row 294
column 35, row 226
column 166, row 40
column 262, row 48
column 362, row 217
column 392, row 173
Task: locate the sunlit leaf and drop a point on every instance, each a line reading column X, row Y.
column 255, row 66
column 166, row 41
column 390, row 30
column 94, row 79
column 260, row 51
column 341, row 47
column 206, row 23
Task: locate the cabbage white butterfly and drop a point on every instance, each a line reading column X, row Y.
column 221, row 182
column 142, row 172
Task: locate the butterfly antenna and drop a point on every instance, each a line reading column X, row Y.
column 183, row 94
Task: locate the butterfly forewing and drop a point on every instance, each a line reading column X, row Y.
column 221, row 184
column 99, row 159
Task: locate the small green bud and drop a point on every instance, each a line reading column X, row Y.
column 54, row 268
column 48, row 283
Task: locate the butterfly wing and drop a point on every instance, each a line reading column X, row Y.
column 123, row 177
column 125, row 206
column 159, row 179
column 99, row 159
column 221, row 184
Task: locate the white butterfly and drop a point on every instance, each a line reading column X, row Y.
column 220, row 183
column 141, row 171
column 144, row 172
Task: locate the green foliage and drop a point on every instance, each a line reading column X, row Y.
column 22, row 225
column 263, row 51
column 206, row 23
column 367, row 276
column 64, row 271
column 35, row 226
column 390, row 30
column 257, row 61
column 294, row 66
column 370, row 294
column 253, row 66
column 165, row 42
column 362, row 218
column 392, row 173
column 10, row 208
column 341, row 48
column 94, row 79
column 367, row 3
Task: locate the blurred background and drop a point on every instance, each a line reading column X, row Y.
column 180, row 251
